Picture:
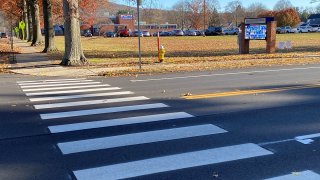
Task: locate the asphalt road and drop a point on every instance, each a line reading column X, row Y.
column 236, row 124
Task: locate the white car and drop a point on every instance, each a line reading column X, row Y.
column 304, row 29
column 233, row 31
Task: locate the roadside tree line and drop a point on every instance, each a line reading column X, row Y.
column 66, row 11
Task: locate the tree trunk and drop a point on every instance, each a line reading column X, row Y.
column 30, row 24
column 37, row 36
column 48, row 26
column 25, row 19
column 73, row 55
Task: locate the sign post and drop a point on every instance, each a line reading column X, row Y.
column 258, row 29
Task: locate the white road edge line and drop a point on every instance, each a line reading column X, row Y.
column 86, row 103
column 118, row 122
column 304, row 175
column 224, row 74
column 139, row 138
column 172, row 162
column 100, row 111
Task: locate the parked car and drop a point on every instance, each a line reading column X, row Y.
column 278, row 30
column 137, row 33
column 4, row 35
column 88, row 34
column 156, row 33
column 213, row 31
column 146, row 33
column 286, row 29
column 165, row 33
column 304, row 29
column 200, row 33
column 190, row 33
column 177, row 32
column 123, row 33
column 109, row 34
column 232, row 31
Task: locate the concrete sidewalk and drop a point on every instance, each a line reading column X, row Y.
column 32, row 62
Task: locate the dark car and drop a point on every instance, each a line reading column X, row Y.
column 177, row 32
column 213, row 31
column 165, row 33
column 109, row 34
column 156, row 33
column 137, row 34
column 200, row 33
column 87, row 34
column 190, row 33
column 3, row 35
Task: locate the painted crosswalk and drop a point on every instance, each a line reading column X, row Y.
column 92, row 102
column 172, row 162
column 72, row 91
column 304, row 175
column 100, row 111
column 139, row 138
column 118, row 122
column 56, row 85
column 52, row 98
column 56, row 95
column 66, row 87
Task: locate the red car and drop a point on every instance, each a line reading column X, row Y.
column 123, row 33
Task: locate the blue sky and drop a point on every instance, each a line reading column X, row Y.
column 167, row 4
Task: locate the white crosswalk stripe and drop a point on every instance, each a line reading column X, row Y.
column 100, row 111
column 50, row 80
column 72, row 91
column 53, row 82
column 172, row 162
column 304, row 175
column 51, row 98
column 57, row 85
column 139, row 138
column 93, row 102
column 66, row 87
column 118, row 122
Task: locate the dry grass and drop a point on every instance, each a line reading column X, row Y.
column 194, row 53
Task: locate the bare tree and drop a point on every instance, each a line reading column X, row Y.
column 212, row 13
column 25, row 18
column 35, row 14
column 195, row 13
column 255, row 9
column 48, row 26
column 282, row 4
column 150, row 11
column 73, row 54
column 30, row 23
column 236, row 10
column 179, row 14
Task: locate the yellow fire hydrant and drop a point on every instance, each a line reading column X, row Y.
column 162, row 52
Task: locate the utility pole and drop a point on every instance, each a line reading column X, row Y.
column 204, row 16
column 139, row 36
